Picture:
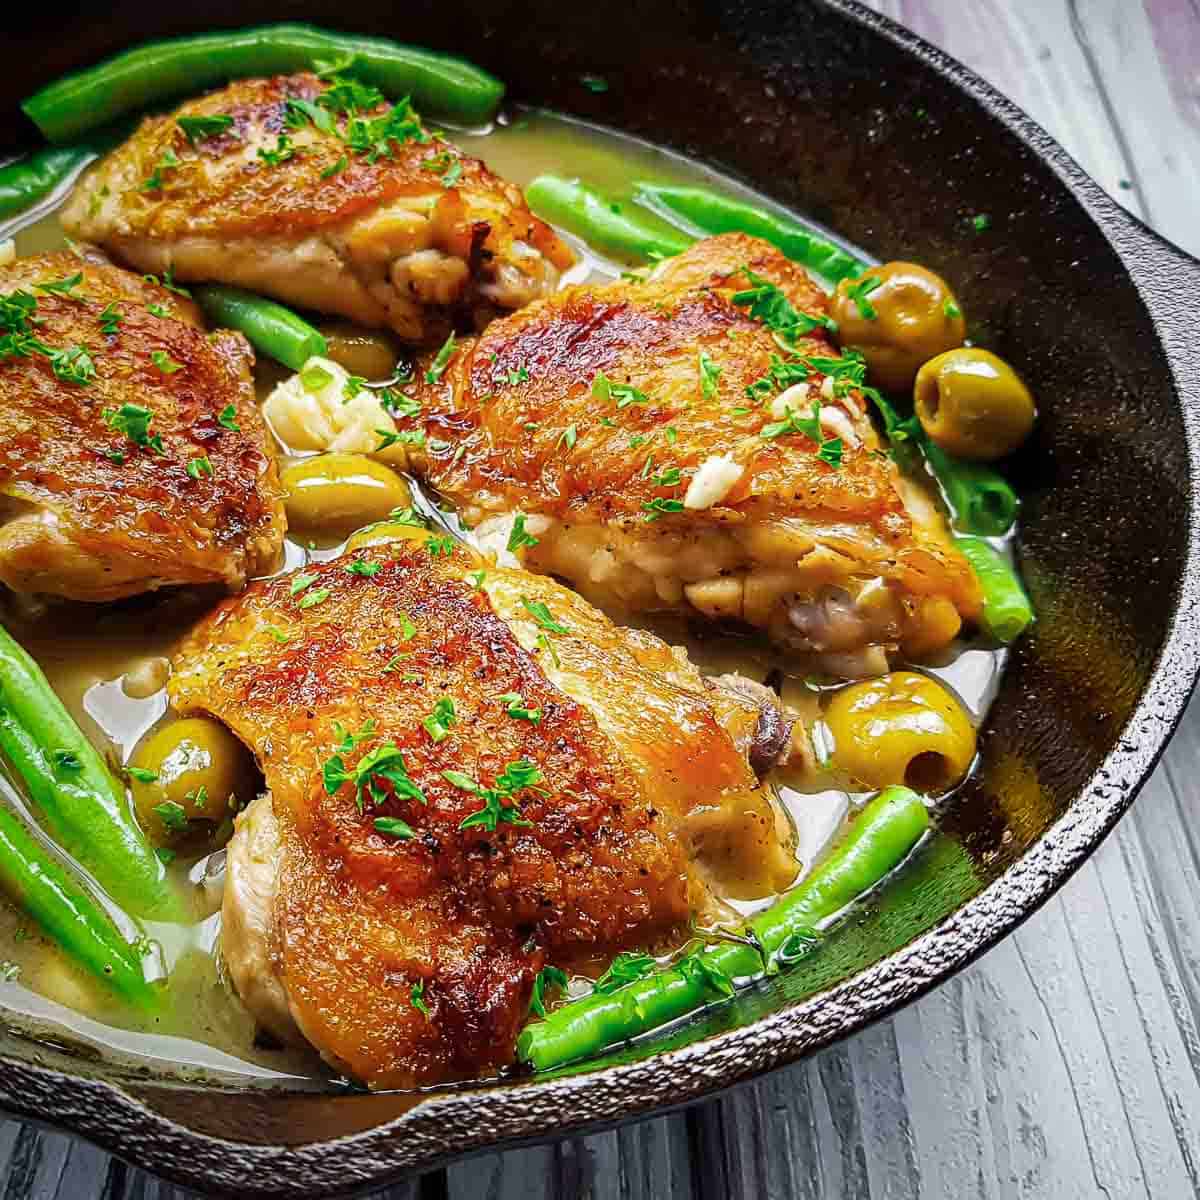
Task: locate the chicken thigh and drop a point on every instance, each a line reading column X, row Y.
column 132, row 452
column 471, row 774
column 321, row 194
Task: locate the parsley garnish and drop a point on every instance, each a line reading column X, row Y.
column 364, row 567
column 541, row 614
column 158, row 310
column 709, row 374
column 447, row 164
column 142, row 774
column 299, row 112
column 981, row 222
column 200, row 466
column 859, row 290
column 300, row 582
column 952, row 311
column 518, row 538
column 164, row 362
column 228, row 418
column 73, row 365
column 407, row 628
column 477, row 578
column 434, row 373
column 154, row 182
column 627, row 967
column 172, row 815
column 440, row 546
column 697, row 968
column 668, row 477
column 625, row 394
column 276, row 633
column 514, row 705
column 498, row 809
column 393, row 827
column 516, row 375
column 315, row 597
column 385, row 763
column 335, row 168
column 770, row 306
column 416, row 997
column 134, row 422
column 110, row 319
column 568, row 437
column 196, row 129
column 284, row 150
column 409, row 516
column 353, row 385
column 660, row 506
column 438, row 723
column 547, row 977
column 594, row 83
column 61, row 287
column 831, row 452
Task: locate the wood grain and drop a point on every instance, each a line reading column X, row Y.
column 1064, row 1064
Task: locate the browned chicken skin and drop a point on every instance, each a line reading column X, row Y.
column 617, row 419
column 638, row 801
column 404, row 231
column 90, row 514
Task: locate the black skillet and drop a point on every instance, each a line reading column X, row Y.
column 846, row 117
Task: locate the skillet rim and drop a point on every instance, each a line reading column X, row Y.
column 474, row 1119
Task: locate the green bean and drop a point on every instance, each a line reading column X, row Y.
column 979, row 499
column 269, row 327
column 878, row 841
column 624, row 231
column 82, row 806
column 712, row 213
column 24, row 182
column 67, row 913
column 439, row 85
column 1006, row 608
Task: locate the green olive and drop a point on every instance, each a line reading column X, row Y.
column 898, row 322
column 194, row 775
column 372, row 355
column 341, row 492
column 973, row 404
column 902, row 728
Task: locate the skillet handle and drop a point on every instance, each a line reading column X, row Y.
column 1168, row 279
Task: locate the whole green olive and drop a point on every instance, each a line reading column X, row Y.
column 973, row 404
column 188, row 777
column 338, row 493
column 897, row 316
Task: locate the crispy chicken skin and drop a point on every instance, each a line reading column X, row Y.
column 411, row 235
column 671, row 497
column 86, row 512
column 643, row 802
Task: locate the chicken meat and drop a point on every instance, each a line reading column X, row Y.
column 132, row 452
column 320, row 193
column 471, row 774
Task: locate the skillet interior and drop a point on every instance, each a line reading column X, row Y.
column 809, row 102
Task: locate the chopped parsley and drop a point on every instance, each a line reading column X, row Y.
column 393, row 664
column 831, row 452
column 61, row 287
column 353, row 385
column 498, row 807
column 284, row 150
column 158, row 310
column 441, row 547
column 200, row 466
column 154, row 181
column 228, row 418
column 172, row 815
column 300, row 582
column 73, row 364
column 627, row 967
column 165, row 855
column 709, row 374
column 698, row 969
column 298, row 112
column 541, row 614
column 514, row 705
column 364, row 567
column 438, row 723
column 516, row 375
column 859, row 290
column 981, row 222
column 660, row 506
column 547, row 977
column 477, row 578
column 142, row 774
column 335, row 168
column 625, row 394
column 409, row 516
column 134, row 422
column 164, row 362
column 393, row 827
column 441, row 360
column 110, row 319
column 952, row 311
column 669, row 477
column 672, row 435
column 315, row 597
column 518, row 538
column 374, row 136
column 384, row 764
column 766, row 303
column 594, row 83
column 276, row 633
column 199, row 797
column 196, row 129
column 447, row 165
column 407, row 628
column 416, row 997
column 568, row 437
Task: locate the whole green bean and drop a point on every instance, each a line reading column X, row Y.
column 624, row 231
column 439, row 85
column 67, row 913
column 979, row 499
column 882, row 836
column 24, row 182
column 82, row 806
column 269, row 327
column 1006, row 608
column 712, row 213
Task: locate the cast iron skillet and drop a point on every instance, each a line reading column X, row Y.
column 848, row 118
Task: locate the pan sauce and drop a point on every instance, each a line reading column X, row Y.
column 105, row 661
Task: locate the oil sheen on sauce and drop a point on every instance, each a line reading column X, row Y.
column 89, row 652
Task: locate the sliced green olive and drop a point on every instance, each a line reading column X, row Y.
column 973, row 404
column 902, row 728
column 341, row 492
column 897, row 316
column 188, row 777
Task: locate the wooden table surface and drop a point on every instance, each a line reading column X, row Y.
column 1066, row 1063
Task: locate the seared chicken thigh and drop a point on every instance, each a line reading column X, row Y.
column 323, row 195
column 472, row 774
column 671, row 449
column 132, row 453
